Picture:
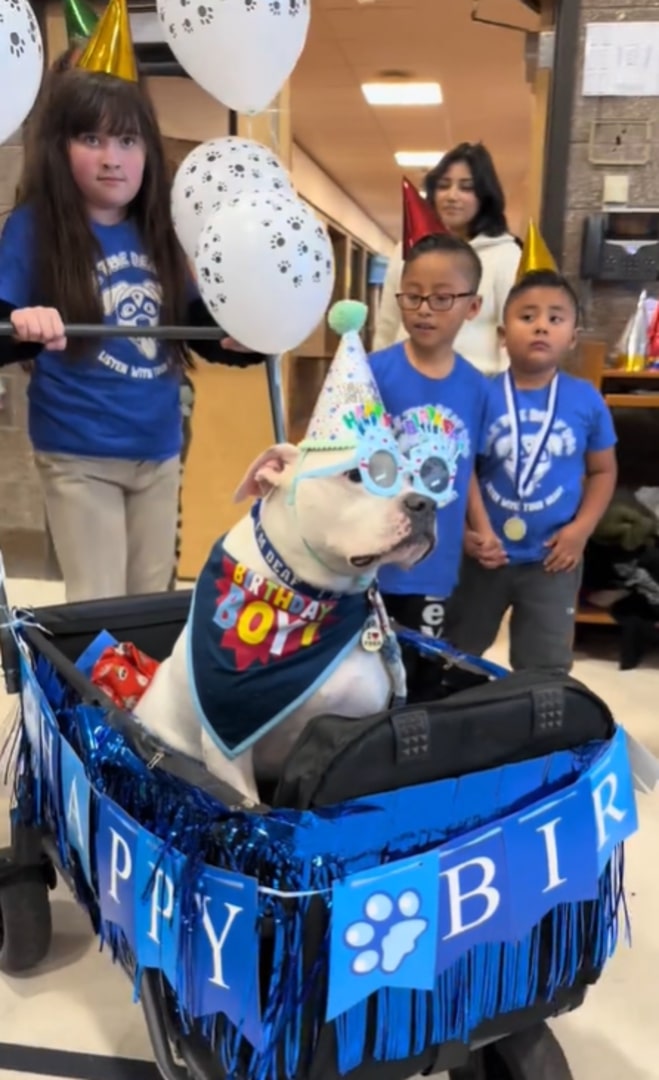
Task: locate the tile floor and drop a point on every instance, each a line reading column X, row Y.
column 79, row 1002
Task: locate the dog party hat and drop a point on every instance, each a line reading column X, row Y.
column 110, row 49
column 419, row 218
column 535, row 255
column 349, row 412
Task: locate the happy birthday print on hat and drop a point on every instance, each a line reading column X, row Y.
column 436, row 425
column 110, row 48
column 349, row 410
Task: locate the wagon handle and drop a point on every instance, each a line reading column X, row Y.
column 180, row 333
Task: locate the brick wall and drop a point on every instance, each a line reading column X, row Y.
column 607, row 307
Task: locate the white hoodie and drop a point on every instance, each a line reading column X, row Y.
column 477, row 340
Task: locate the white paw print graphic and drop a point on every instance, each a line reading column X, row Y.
column 388, row 933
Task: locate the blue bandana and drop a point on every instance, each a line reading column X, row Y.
column 258, row 650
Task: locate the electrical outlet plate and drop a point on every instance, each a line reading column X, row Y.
column 620, row 142
column 616, row 189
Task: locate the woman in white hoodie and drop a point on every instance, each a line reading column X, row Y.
column 468, row 198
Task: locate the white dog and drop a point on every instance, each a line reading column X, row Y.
column 318, row 536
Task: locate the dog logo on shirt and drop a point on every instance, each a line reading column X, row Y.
column 561, row 443
column 135, row 305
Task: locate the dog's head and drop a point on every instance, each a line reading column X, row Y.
column 340, row 518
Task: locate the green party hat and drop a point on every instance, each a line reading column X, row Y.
column 81, row 20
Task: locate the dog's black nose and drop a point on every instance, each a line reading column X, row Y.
column 417, row 504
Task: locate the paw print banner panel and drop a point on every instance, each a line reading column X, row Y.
column 384, row 931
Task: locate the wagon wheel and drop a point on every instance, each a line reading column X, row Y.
column 532, row 1054
column 25, row 924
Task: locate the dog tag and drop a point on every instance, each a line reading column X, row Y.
column 372, row 636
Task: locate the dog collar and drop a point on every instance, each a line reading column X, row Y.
column 279, row 566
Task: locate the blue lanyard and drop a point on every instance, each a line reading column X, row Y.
column 524, row 474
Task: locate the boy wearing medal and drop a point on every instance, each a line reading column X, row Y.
column 547, row 472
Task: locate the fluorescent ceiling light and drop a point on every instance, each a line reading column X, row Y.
column 418, row 159
column 402, row 93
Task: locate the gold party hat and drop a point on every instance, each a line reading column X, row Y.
column 535, row 255
column 110, row 49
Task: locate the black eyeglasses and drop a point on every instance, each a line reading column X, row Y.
column 436, row 301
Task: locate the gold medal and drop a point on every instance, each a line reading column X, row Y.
column 514, row 529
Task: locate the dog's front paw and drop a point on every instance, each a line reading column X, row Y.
column 388, row 934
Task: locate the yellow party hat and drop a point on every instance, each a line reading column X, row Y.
column 110, row 48
column 535, row 255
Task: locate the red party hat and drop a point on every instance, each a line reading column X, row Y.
column 419, row 218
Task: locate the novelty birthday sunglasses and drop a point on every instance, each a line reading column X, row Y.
column 384, row 469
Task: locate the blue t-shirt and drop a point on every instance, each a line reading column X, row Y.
column 582, row 425
column 122, row 402
column 456, row 403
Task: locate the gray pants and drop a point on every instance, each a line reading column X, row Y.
column 542, row 619
column 113, row 523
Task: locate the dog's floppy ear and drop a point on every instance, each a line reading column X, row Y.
column 264, row 474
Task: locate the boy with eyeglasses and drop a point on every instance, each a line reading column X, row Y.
column 437, row 398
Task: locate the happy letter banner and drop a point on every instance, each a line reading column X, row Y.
column 403, row 924
column 212, row 962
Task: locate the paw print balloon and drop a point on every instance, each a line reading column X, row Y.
column 218, row 170
column 21, row 64
column 277, row 270
column 240, row 51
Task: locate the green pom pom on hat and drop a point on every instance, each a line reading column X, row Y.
column 347, row 316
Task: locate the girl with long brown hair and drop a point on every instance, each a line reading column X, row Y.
column 92, row 241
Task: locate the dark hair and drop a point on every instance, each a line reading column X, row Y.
column 78, row 102
column 445, row 244
column 490, row 219
column 543, row 279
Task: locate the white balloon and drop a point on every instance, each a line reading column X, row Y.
column 218, row 170
column 21, row 64
column 265, row 269
column 240, row 51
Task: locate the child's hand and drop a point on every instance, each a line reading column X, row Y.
column 567, row 547
column 486, row 548
column 39, row 324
